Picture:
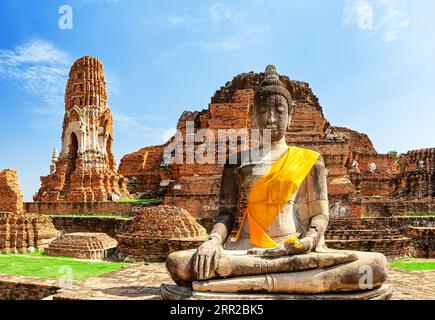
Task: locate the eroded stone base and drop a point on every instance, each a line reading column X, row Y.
column 22, row 233
column 82, row 245
column 174, row 292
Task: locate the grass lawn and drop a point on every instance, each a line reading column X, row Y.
column 42, row 266
column 145, row 201
column 419, row 216
column 413, row 265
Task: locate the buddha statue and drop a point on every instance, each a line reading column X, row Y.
column 279, row 246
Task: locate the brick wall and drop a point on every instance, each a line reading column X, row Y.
column 144, row 248
column 109, row 226
column 62, row 208
column 391, row 236
column 422, row 241
column 379, row 223
column 26, row 288
column 373, row 208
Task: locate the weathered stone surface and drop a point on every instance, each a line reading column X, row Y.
column 11, row 197
column 422, row 241
column 394, row 237
column 142, row 171
column 110, row 226
column 13, row 287
column 82, row 245
column 158, row 231
column 171, row 292
column 95, row 207
column 85, row 170
column 143, row 282
column 417, row 175
column 19, row 231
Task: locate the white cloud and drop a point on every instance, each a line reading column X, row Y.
column 381, row 17
column 136, row 127
column 112, row 83
column 216, row 27
column 215, row 15
column 177, row 20
column 243, row 37
column 39, row 68
column 219, row 13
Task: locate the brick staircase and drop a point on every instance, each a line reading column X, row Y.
column 387, row 240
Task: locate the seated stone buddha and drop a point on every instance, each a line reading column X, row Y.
column 279, row 246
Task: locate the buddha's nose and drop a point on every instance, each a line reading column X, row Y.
column 271, row 119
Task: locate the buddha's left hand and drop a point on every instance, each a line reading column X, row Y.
column 289, row 248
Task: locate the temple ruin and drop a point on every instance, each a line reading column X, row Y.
column 20, row 232
column 85, row 169
column 157, row 231
column 361, row 182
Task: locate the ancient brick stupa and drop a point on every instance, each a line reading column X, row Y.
column 19, row 231
column 158, row 231
column 85, row 170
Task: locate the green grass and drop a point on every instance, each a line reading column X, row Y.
column 419, row 216
column 146, row 201
column 92, row 215
column 42, row 266
column 413, row 265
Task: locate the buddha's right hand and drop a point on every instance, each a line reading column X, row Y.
column 206, row 259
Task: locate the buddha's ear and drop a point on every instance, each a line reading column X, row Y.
column 292, row 109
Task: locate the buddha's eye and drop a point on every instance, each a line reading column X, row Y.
column 262, row 109
column 280, row 108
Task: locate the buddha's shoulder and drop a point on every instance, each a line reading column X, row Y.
column 250, row 156
column 319, row 162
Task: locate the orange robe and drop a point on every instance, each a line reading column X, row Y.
column 272, row 191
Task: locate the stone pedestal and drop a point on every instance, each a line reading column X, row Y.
column 173, row 292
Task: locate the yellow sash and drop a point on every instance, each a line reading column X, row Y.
column 272, row 191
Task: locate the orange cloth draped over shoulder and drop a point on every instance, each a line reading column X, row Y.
column 272, row 191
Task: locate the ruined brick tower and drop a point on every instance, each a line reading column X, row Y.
column 85, row 170
column 20, row 231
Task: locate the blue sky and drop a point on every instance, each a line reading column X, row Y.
column 370, row 62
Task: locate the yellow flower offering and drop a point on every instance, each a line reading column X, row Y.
column 292, row 241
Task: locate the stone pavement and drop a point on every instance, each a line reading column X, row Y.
column 142, row 282
column 415, row 285
column 133, row 282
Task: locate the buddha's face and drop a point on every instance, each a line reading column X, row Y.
column 272, row 113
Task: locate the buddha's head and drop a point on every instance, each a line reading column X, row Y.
column 273, row 106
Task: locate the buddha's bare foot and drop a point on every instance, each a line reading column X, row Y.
column 277, row 252
column 290, row 248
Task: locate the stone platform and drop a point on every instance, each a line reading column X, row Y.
column 82, row 245
column 173, row 292
column 143, row 281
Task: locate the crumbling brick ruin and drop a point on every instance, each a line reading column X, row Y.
column 85, row 170
column 82, row 245
column 19, row 231
column 158, row 231
column 361, row 182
